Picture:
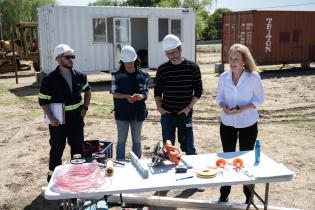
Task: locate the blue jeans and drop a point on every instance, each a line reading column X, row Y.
column 122, row 134
column 185, row 134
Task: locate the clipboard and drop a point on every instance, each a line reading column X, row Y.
column 58, row 111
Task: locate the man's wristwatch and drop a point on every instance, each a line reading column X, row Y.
column 86, row 108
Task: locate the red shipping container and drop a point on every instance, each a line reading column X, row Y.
column 273, row 37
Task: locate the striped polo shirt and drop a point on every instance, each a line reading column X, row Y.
column 177, row 84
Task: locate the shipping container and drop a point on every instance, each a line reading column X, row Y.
column 98, row 33
column 273, row 37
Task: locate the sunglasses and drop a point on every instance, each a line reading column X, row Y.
column 170, row 52
column 69, row 57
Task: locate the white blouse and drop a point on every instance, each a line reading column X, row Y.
column 249, row 90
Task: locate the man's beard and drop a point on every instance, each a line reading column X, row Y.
column 175, row 60
column 68, row 66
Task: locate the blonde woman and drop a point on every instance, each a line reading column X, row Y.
column 239, row 95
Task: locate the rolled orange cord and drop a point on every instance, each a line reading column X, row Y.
column 238, row 163
column 221, row 163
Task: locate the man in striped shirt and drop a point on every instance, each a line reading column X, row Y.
column 178, row 87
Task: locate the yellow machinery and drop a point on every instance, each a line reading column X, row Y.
column 25, row 48
column 29, row 42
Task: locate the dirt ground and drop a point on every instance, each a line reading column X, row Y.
column 286, row 130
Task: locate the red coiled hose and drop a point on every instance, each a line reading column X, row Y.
column 86, row 177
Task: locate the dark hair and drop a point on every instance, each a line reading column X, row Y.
column 137, row 64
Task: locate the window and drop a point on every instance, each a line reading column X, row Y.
column 176, row 28
column 99, row 30
column 167, row 26
column 163, row 28
column 122, row 30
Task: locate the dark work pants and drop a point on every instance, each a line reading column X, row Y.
column 247, row 137
column 71, row 131
column 185, row 133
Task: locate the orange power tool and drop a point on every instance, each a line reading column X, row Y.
column 165, row 152
column 172, row 152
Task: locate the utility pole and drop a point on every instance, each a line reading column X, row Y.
column 1, row 32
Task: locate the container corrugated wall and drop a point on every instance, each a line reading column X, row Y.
column 45, row 38
column 73, row 25
column 274, row 37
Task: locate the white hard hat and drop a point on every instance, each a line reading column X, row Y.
column 61, row 48
column 128, row 54
column 170, row 42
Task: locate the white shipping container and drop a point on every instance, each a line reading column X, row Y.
column 98, row 33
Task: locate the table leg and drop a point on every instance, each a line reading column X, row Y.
column 266, row 196
column 264, row 202
column 251, row 196
column 250, row 202
column 65, row 205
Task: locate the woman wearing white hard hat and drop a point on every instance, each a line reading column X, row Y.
column 130, row 90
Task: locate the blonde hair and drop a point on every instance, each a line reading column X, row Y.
column 248, row 59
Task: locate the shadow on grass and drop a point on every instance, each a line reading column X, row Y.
column 105, row 85
column 292, row 72
column 9, row 75
column 40, row 203
column 33, row 89
column 29, row 90
column 282, row 73
column 101, row 86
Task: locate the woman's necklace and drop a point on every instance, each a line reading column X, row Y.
column 236, row 78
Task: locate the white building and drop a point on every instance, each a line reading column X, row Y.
column 98, row 33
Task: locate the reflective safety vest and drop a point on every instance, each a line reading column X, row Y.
column 55, row 89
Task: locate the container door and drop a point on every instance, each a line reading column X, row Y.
column 122, row 37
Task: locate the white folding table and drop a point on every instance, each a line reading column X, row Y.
column 126, row 179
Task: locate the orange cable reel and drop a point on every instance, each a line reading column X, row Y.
column 220, row 163
column 238, row 163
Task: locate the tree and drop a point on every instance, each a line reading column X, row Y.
column 142, row 3
column 201, row 15
column 167, row 3
column 15, row 11
column 201, row 23
column 197, row 4
column 106, row 3
column 213, row 31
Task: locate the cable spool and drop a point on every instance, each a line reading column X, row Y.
column 207, row 173
column 220, row 163
column 109, row 170
column 238, row 163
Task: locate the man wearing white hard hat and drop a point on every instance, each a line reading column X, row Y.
column 178, row 87
column 64, row 86
column 130, row 90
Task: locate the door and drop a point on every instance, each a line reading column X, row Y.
column 122, row 37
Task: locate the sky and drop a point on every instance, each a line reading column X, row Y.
column 237, row 5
